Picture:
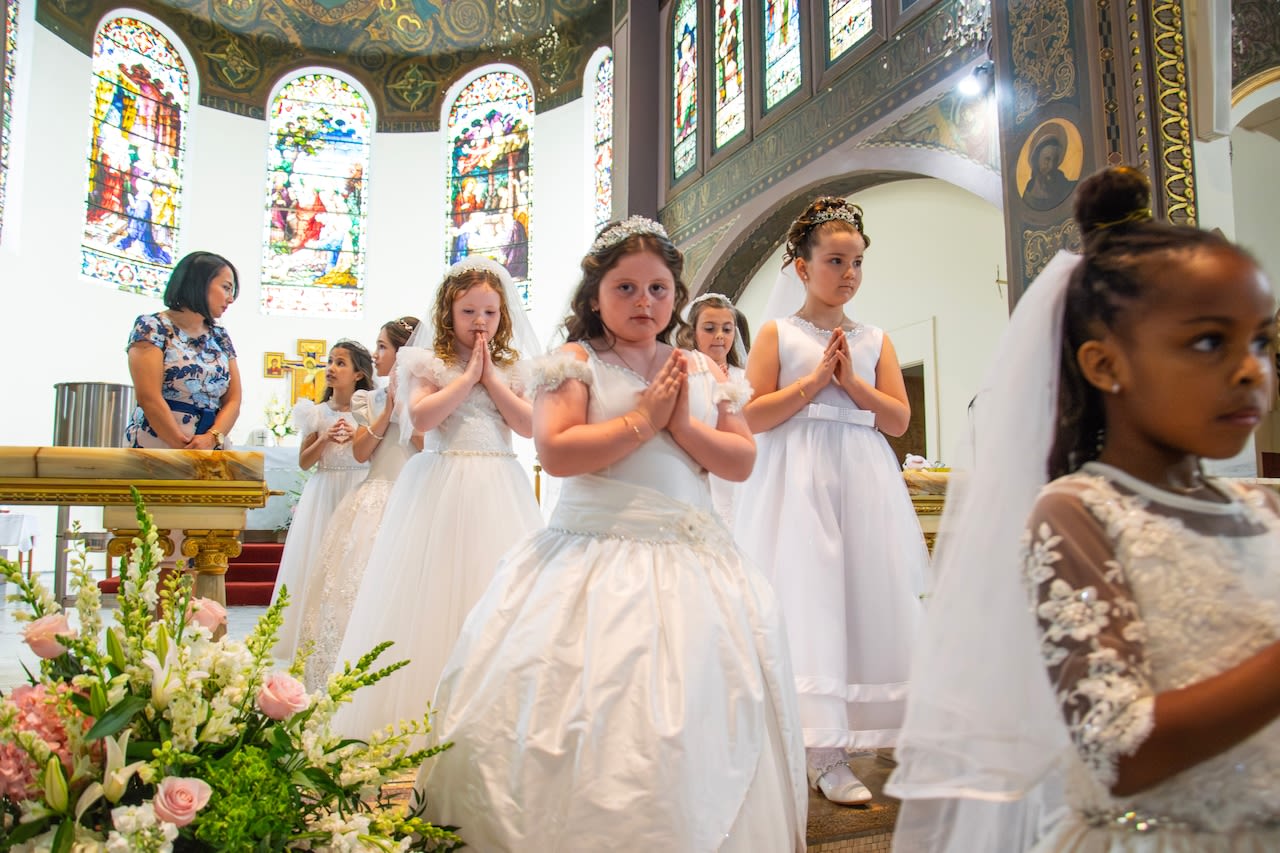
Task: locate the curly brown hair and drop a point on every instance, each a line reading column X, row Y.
column 451, row 288
column 583, row 323
column 803, row 232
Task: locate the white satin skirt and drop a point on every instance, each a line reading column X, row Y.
column 623, row 684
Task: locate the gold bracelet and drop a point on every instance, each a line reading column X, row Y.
column 801, row 389
column 634, row 428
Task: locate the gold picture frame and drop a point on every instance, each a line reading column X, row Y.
column 273, row 365
column 308, row 346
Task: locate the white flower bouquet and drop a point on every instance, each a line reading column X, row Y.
column 152, row 735
column 279, row 418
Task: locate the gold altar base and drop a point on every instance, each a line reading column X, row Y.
column 202, row 496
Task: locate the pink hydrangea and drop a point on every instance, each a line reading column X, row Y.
column 37, row 713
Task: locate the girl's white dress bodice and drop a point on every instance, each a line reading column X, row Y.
column 1139, row 591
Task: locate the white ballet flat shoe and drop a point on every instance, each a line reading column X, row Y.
column 838, row 784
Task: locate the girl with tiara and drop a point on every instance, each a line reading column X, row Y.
column 1133, row 705
column 719, row 331
column 456, row 507
column 344, row 551
column 327, row 429
column 826, row 512
column 624, row 681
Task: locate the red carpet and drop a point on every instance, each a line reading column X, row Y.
column 250, row 577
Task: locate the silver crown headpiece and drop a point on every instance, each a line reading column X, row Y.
column 630, row 227
column 853, row 217
column 712, row 297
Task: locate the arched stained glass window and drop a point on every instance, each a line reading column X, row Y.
column 8, row 55
column 848, row 22
column 137, row 143
column 319, row 129
column 731, row 98
column 781, row 50
column 602, row 139
column 490, row 182
column 684, row 90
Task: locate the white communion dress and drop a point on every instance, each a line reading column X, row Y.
column 724, row 493
column 623, row 684
column 454, row 511
column 344, row 550
column 1139, row 591
column 337, row 474
column 827, row 517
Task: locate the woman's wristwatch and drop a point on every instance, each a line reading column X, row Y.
column 218, row 438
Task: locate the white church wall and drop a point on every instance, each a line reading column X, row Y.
column 929, row 281
column 62, row 328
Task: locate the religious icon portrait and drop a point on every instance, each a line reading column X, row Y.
column 273, row 365
column 308, row 380
column 1049, row 164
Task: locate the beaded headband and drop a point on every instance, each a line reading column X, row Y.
column 632, row 226
column 710, row 297
column 479, row 263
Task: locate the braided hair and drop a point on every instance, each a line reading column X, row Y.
column 1126, row 253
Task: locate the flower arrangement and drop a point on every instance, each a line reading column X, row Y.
column 153, row 735
column 279, row 418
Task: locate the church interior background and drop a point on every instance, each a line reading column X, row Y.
column 341, row 153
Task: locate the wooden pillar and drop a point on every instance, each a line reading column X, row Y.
column 637, row 137
column 1083, row 84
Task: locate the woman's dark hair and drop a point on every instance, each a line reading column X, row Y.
column 1126, row 254
column 583, row 322
column 825, row 213
column 188, row 285
column 399, row 330
column 360, row 360
column 687, row 337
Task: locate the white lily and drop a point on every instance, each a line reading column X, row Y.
column 164, row 683
column 116, row 775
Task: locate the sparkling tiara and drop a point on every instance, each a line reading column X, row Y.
column 630, row 227
column 852, row 216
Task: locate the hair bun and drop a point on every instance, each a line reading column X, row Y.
column 1114, row 196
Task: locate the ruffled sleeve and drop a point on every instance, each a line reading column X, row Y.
column 150, row 329
column 1092, row 637
column 736, row 392
column 417, row 364
column 549, row 372
column 306, row 417
column 364, row 406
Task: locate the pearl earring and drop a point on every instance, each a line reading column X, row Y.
column 1115, row 387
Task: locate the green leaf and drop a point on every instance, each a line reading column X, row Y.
column 117, row 717
column 27, row 831
column 65, row 837
column 141, row 750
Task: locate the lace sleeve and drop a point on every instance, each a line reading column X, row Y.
column 1091, row 634
column 549, row 372
column 414, row 364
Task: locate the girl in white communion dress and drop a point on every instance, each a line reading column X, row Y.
column 1133, row 705
column 624, row 683
column 344, row 552
column 457, row 506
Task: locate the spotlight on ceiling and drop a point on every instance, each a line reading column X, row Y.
column 977, row 82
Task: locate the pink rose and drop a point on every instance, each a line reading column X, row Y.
column 282, row 696
column 178, row 798
column 42, row 635
column 207, row 613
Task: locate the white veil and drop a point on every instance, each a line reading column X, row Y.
column 523, row 339
column 981, row 752
column 787, row 296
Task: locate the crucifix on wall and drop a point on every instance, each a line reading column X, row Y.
column 305, row 373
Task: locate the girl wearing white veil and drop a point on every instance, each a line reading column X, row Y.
column 456, row 507
column 1097, row 671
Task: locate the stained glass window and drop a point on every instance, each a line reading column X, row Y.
column 136, row 144
column 731, row 98
column 781, row 50
column 490, row 183
column 684, row 111
column 8, row 54
column 319, row 129
column 848, row 21
column 602, row 138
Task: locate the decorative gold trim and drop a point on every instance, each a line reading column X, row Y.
column 928, row 504
column 70, row 491
column 1254, row 83
column 210, row 550
column 1167, row 43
